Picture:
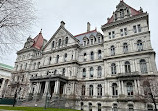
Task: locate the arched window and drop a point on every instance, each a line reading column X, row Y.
column 84, row 73
column 65, row 57
column 115, row 107
column 38, row 65
column 115, row 16
column 63, row 71
column 47, row 72
column 91, row 90
column 83, row 90
column 129, row 89
column 143, row 66
column 34, row 66
column 99, row 107
column 92, row 55
column 139, row 45
column 112, row 50
column 150, row 107
column 91, row 72
column 91, row 41
column 99, row 71
column 50, row 59
column 85, row 56
column 59, row 42
column 82, row 106
column 99, row 90
column 66, row 40
column 130, row 107
column 99, row 54
column 84, row 43
column 99, row 40
column 90, row 106
column 127, row 67
column 53, row 44
column 113, row 68
column 16, row 67
column 121, row 13
column 55, row 72
column 125, row 47
column 57, row 60
column 114, row 89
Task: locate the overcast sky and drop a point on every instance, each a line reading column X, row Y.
column 76, row 14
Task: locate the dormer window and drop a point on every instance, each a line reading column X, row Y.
column 99, row 40
column 128, row 12
column 109, row 35
column 91, row 41
column 121, row 13
column 66, row 40
column 59, row 42
column 115, row 16
column 84, row 43
column 53, row 44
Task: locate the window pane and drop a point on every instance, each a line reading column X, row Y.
column 139, row 28
column 134, row 29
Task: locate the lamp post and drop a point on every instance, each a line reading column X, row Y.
column 15, row 95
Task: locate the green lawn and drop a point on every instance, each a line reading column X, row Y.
column 33, row 108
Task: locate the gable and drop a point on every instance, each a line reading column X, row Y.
column 60, row 35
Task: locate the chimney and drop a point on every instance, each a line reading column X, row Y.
column 88, row 26
column 62, row 23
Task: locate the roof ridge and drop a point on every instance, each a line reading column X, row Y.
column 86, row 32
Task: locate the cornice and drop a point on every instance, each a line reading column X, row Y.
column 104, row 27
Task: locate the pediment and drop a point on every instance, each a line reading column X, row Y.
column 121, row 5
column 61, row 34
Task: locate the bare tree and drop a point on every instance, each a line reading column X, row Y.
column 16, row 18
column 149, row 87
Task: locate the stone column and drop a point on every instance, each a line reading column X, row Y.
column 95, row 91
column 122, row 85
column 106, row 88
column 139, row 88
column 135, row 86
column 46, row 90
column 95, row 72
column 120, row 91
column 73, row 88
column 57, row 87
column 2, row 87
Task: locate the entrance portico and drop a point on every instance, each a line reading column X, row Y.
column 48, row 86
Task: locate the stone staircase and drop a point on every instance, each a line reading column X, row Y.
column 54, row 102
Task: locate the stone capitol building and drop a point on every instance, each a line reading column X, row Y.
column 91, row 71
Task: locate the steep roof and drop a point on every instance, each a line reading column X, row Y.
column 134, row 12
column 87, row 34
column 38, row 41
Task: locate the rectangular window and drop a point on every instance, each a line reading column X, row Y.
column 125, row 31
column 134, row 29
column 113, row 34
column 109, row 35
column 121, row 32
column 139, row 28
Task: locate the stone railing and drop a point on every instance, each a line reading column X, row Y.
column 128, row 74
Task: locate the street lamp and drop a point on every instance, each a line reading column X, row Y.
column 15, row 95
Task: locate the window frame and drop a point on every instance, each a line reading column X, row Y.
column 143, row 66
column 127, row 67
